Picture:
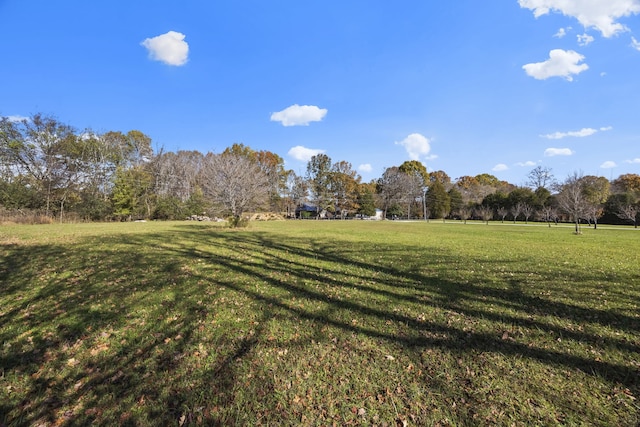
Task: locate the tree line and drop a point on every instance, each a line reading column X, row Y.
column 579, row 198
column 56, row 172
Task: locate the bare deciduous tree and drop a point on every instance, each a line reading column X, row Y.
column 47, row 151
column 176, row 174
column 516, row 210
column 296, row 192
column 393, row 187
column 234, row 183
column 572, row 199
column 540, row 177
column 548, row 214
column 593, row 212
column 464, row 213
column 527, row 211
column 502, row 212
column 485, row 213
column 629, row 213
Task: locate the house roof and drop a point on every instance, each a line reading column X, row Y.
column 307, row 208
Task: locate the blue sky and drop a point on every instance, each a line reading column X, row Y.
column 464, row 86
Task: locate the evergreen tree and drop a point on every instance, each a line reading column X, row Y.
column 438, row 200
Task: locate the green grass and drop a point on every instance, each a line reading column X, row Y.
column 319, row 323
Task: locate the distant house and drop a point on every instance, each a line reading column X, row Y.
column 309, row 211
column 376, row 217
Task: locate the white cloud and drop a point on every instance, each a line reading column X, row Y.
column 552, row 152
column 528, row 163
column 365, row 168
column 16, row 119
column 599, row 14
column 416, row 145
column 500, row 167
column 304, row 154
column 561, row 63
column 561, row 33
column 634, row 161
column 579, row 134
column 585, row 39
column 169, row 48
column 635, row 43
column 608, row 165
column 299, row 115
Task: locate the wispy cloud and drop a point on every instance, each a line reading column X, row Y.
column 552, row 152
column 304, row 154
column 169, row 48
column 633, row 161
column 299, row 115
column 635, row 43
column 528, row 163
column 561, row 63
column 500, row 167
column 577, row 134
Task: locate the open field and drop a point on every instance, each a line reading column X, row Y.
column 319, row 323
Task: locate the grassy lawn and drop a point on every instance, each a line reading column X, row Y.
column 319, row 323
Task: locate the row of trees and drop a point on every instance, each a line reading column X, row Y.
column 51, row 168
column 578, row 198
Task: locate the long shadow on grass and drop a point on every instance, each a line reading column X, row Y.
column 113, row 328
column 450, row 293
column 401, row 285
column 317, row 271
column 100, row 335
column 406, row 284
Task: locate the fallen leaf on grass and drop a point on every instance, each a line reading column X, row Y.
column 99, row 348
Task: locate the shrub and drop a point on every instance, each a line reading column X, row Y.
column 238, row 222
